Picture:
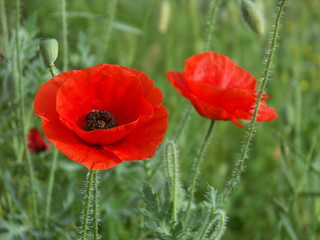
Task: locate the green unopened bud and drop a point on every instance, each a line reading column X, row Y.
column 49, row 50
column 253, row 16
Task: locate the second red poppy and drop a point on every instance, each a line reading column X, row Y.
column 219, row 89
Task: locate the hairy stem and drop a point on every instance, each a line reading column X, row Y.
column 87, row 200
column 239, row 168
column 221, row 228
column 174, row 181
column 168, row 163
column 207, row 225
column 96, row 214
column 197, row 162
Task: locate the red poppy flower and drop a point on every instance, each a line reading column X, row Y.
column 35, row 141
column 219, row 89
column 102, row 115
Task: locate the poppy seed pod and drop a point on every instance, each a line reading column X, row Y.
column 49, row 50
column 253, row 16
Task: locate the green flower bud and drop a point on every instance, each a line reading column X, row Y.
column 49, row 50
column 253, row 16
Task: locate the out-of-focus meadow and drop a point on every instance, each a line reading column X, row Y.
column 278, row 196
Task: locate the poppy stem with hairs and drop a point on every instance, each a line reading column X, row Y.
column 86, row 208
column 96, row 214
column 90, row 201
column 197, row 162
column 172, row 161
column 270, row 54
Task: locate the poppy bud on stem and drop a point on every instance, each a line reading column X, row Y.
column 253, row 16
column 49, row 50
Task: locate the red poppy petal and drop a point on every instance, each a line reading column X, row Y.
column 178, row 80
column 218, row 70
column 151, row 94
column 266, row 113
column 230, row 99
column 45, row 99
column 144, row 140
column 68, row 143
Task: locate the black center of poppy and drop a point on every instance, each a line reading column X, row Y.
column 99, row 120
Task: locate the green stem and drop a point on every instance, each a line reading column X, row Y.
column 183, row 123
column 212, row 16
column 221, row 228
column 86, row 211
column 53, row 168
column 50, row 186
column 4, row 26
column 207, row 225
column 64, row 35
column 198, row 160
column 174, row 181
column 53, row 70
column 96, row 214
column 168, row 164
column 22, row 120
column 239, row 168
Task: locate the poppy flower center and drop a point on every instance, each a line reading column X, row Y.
column 99, row 120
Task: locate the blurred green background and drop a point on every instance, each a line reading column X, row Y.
column 278, row 197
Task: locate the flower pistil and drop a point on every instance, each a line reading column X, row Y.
column 99, row 120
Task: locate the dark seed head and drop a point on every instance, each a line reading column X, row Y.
column 99, row 120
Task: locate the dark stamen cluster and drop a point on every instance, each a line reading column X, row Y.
column 99, row 120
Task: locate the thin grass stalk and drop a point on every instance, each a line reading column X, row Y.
column 65, row 49
column 111, row 15
column 96, row 213
column 239, row 168
column 50, row 186
column 140, row 39
column 212, row 16
column 87, row 202
column 4, row 23
column 197, row 162
column 22, row 120
column 184, row 122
